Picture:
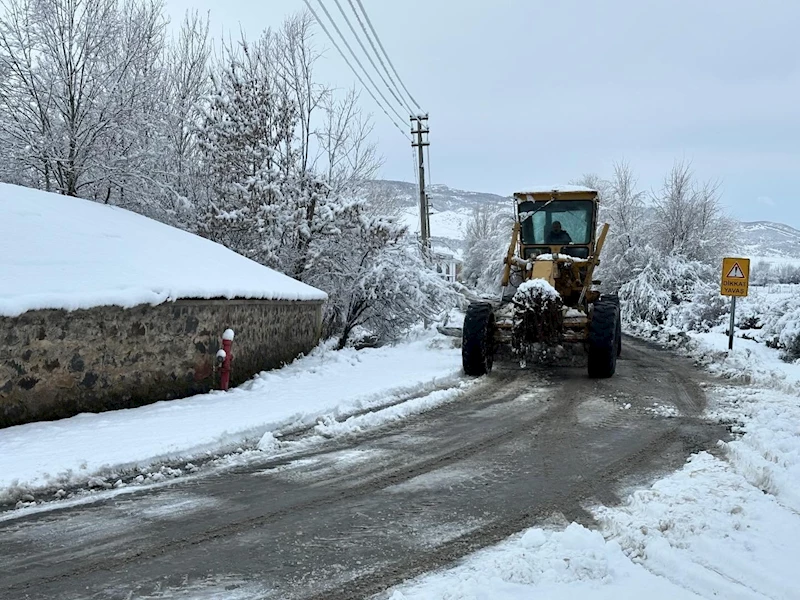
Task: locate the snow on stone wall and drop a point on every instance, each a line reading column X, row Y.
column 55, row 363
column 63, row 252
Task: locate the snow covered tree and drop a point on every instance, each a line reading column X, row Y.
column 486, row 238
column 246, row 125
column 664, row 283
column 376, row 279
column 623, row 208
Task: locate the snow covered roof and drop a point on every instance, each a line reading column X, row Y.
column 546, row 189
column 63, row 252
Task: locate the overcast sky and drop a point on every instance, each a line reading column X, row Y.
column 536, row 91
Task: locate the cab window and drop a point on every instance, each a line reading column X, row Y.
column 559, row 223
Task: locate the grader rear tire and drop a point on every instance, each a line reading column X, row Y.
column 603, row 343
column 477, row 341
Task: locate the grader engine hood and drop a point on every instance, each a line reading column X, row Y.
column 544, row 269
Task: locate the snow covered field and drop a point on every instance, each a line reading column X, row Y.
column 725, row 526
column 448, row 224
column 322, row 387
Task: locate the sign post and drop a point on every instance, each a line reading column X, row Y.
column 735, row 281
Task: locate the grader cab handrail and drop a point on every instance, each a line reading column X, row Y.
column 594, row 260
column 510, row 254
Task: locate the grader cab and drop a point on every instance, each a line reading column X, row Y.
column 549, row 298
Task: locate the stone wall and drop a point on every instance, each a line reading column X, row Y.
column 55, row 364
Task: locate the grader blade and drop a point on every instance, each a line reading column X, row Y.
column 538, row 317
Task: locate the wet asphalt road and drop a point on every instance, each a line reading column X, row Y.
column 357, row 515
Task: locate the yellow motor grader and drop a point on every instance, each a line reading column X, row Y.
column 549, row 298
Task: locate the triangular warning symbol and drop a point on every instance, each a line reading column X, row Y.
column 735, row 272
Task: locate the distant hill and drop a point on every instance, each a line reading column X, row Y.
column 451, row 209
column 773, row 242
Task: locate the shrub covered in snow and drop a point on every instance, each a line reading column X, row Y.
column 704, row 309
column 778, row 325
column 665, row 283
column 376, row 281
column 789, row 336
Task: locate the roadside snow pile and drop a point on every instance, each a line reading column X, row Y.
column 725, row 527
column 708, row 530
column 327, row 383
column 81, row 254
column 557, row 565
column 768, row 454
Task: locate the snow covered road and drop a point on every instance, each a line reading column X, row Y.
column 383, row 499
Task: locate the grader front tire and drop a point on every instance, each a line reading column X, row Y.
column 477, row 342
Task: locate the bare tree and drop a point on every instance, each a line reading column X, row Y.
column 296, row 57
column 187, row 87
column 333, row 134
column 595, row 182
column 76, row 71
column 688, row 217
column 624, row 206
column 26, row 98
column 128, row 166
column 351, row 157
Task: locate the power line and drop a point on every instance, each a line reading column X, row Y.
column 355, row 57
column 368, row 55
column 389, row 60
column 380, row 60
column 347, row 62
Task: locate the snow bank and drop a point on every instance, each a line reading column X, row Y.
column 63, row 252
column 557, row 565
column 725, row 527
column 750, row 361
column 708, row 530
column 71, row 451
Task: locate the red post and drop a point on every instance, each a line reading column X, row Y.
column 225, row 371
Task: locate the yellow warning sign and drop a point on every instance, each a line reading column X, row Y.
column 735, row 276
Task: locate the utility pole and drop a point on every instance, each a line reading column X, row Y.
column 424, row 216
